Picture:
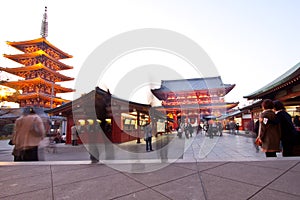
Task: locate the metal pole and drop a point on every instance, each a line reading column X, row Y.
column 52, row 93
column 138, row 128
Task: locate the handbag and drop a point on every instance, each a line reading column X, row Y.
column 258, row 142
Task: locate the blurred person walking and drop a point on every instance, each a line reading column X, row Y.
column 148, row 136
column 190, row 129
column 74, row 134
column 28, row 133
column 95, row 141
column 237, row 126
column 199, row 128
column 186, row 130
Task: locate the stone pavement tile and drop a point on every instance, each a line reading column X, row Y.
column 256, row 175
column 67, row 167
column 6, row 156
column 107, row 187
column 192, row 165
column 14, row 172
column 267, row 194
column 45, row 194
column 199, row 166
column 277, row 164
column 144, row 195
column 208, row 165
column 140, row 168
column 79, row 174
column 183, row 188
column 296, row 168
column 163, row 175
column 25, row 184
column 189, row 158
column 67, row 156
column 288, row 182
column 132, row 167
column 222, row 188
column 212, row 155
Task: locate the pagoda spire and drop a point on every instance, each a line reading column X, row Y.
column 44, row 28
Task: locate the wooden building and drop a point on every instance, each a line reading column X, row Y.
column 285, row 88
column 120, row 120
column 194, row 99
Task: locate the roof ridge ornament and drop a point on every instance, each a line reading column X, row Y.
column 44, row 27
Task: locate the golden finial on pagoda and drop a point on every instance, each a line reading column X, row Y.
column 44, row 28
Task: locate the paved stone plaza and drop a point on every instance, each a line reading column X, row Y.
column 227, row 167
column 198, row 148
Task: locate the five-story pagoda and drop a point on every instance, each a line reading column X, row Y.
column 39, row 70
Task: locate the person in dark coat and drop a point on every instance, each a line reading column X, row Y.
column 148, row 136
column 190, row 129
column 255, row 130
column 237, row 126
column 269, row 135
column 288, row 130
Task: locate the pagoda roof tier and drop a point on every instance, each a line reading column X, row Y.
column 42, row 96
column 19, row 57
column 24, row 71
column 22, row 45
column 196, row 86
column 17, row 85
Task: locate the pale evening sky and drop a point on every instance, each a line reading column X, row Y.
column 251, row 42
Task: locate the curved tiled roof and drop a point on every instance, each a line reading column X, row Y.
column 18, row 57
column 288, row 78
column 21, row 71
column 195, row 84
column 21, row 44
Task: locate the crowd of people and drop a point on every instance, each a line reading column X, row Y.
column 275, row 130
column 185, row 128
